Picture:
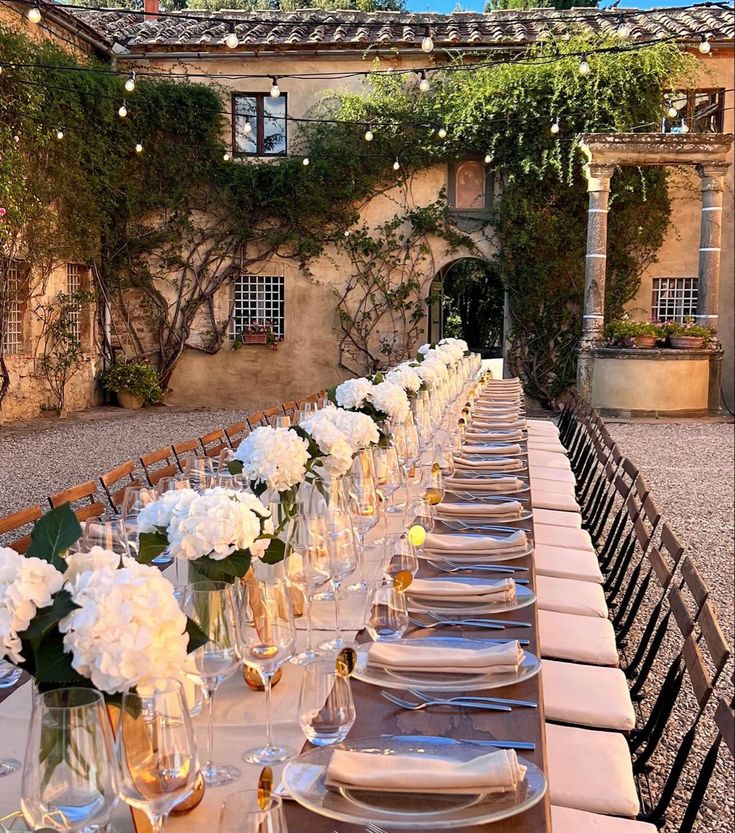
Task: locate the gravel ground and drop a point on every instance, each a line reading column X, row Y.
column 689, row 468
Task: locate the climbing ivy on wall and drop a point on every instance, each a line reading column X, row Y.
column 166, row 221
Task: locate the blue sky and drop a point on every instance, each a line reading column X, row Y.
column 447, row 6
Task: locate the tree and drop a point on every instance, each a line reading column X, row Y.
column 474, row 296
column 496, row 5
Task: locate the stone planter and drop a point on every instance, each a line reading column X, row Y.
column 129, row 400
column 686, row 342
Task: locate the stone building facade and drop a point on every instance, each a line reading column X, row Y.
column 312, row 42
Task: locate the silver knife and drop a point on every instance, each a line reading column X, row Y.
column 521, row 745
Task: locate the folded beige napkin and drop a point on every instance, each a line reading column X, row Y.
column 479, row 592
column 496, row 410
column 459, row 543
column 496, row 485
column 498, row 464
column 496, row 772
column 476, row 436
column 499, row 423
column 502, row 658
column 508, row 509
column 472, row 448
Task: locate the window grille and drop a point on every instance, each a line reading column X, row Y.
column 258, row 299
column 11, row 285
column 74, row 282
column 674, row 299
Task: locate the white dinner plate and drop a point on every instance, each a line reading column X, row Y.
column 524, row 597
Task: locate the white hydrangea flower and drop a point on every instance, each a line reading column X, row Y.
column 359, row 429
column 405, row 377
column 391, row 400
column 158, row 515
column 353, row 393
column 217, row 523
column 26, row 585
column 425, row 349
column 276, row 457
column 97, row 558
column 128, row 630
column 331, row 442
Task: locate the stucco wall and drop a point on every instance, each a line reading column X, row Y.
column 679, row 255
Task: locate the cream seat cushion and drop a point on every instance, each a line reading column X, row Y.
column 568, row 595
column 552, row 517
column 543, row 425
column 577, row 638
column 564, row 563
column 563, row 500
column 590, row 770
column 561, row 536
column 547, row 446
column 587, row 695
column 566, row 820
column 552, row 475
column 548, row 459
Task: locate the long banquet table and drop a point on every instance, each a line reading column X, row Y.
column 239, row 719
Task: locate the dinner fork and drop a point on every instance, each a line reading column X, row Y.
column 480, row 623
column 373, row 828
column 490, row 568
column 408, row 704
column 504, row 701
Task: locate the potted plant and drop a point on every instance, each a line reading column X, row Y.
column 686, row 335
column 624, row 332
column 258, row 332
column 135, row 383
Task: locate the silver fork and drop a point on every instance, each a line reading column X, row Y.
column 372, row 828
column 408, row 704
column 442, row 564
column 444, row 622
column 481, row 623
column 530, row 704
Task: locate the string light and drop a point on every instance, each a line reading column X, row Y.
column 672, row 112
column 705, row 47
column 584, row 66
column 488, row 158
column 34, row 14
column 442, row 133
column 427, row 44
column 424, row 84
column 396, row 165
column 247, row 128
column 139, row 148
column 684, row 126
column 232, row 41
column 227, row 156
column 59, row 134
column 130, row 83
column 555, row 128
column 123, row 111
column 275, row 89
column 369, row 135
column 305, row 161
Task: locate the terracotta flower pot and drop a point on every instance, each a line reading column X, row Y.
column 686, row 342
column 255, row 338
column 129, row 400
column 645, row 341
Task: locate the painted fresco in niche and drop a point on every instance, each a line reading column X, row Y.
column 470, row 186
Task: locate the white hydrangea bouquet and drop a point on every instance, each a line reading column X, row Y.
column 218, row 531
column 382, row 399
column 89, row 619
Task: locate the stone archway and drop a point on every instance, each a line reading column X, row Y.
column 605, row 152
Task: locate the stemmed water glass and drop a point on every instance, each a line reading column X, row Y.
column 211, row 605
column 344, row 556
column 267, row 639
column 70, row 781
column 388, row 476
column 431, row 484
column 156, row 751
column 134, row 500
column 248, row 812
column 171, row 484
column 114, row 535
column 309, row 567
column 198, row 471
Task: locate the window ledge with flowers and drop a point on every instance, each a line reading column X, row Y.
column 258, row 332
column 628, row 334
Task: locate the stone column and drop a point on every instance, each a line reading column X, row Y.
column 593, row 315
column 712, row 175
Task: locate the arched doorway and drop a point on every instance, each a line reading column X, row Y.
column 467, row 300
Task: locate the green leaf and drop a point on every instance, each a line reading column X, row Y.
column 151, row 545
column 275, row 553
column 196, row 635
column 332, row 394
column 54, row 666
column 53, row 534
column 49, row 617
column 228, row 569
column 234, row 467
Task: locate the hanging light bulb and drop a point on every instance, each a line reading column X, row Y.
column 130, row 83
column 424, row 84
column 247, row 128
column 684, row 126
column 396, row 165
column 1, row 70
column 705, row 47
column 305, row 161
column 275, row 89
column 672, row 112
column 139, row 148
column 123, row 111
column 227, row 156
column 442, row 133
column 427, row 44
column 488, row 158
column 34, row 14
column 59, row 134
column 623, row 30
column 347, row 232
column 584, row 66
column 555, row 128
column 369, row 135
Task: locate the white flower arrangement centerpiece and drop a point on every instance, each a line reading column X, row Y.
column 384, row 401
column 218, row 532
column 91, row 619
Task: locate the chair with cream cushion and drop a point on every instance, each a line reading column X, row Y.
column 590, row 770
column 547, row 445
column 566, row 563
column 586, row 695
column 586, row 639
column 567, row 820
column 553, row 517
column 558, row 536
column 564, row 476
column 567, row 595
column 547, row 495
column 547, row 459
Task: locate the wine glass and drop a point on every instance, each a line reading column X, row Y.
column 308, row 566
column 211, row 605
column 344, row 558
column 70, row 781
column 388, row 476
column 170, row 484
column 267, row 638
column 326, row 711
column 9, row 676
column 399, row 556
column 420, row 513
column 362, row 502
column 198, row 471
column 247, row 812
column 307, row 410
column 282, row 421
column 156, row 751
column 134, row 500
column 432, row 484
column 388, row 619
column 113, row 535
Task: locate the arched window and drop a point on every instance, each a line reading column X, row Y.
column 470, row 186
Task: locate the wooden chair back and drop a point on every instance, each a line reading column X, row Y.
column 236, row 433
column 116, row 481
column 255, row 420
column 183, row 450
column 85, row 493
column 18, row 521
column 158, row 464
column 214, row 443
